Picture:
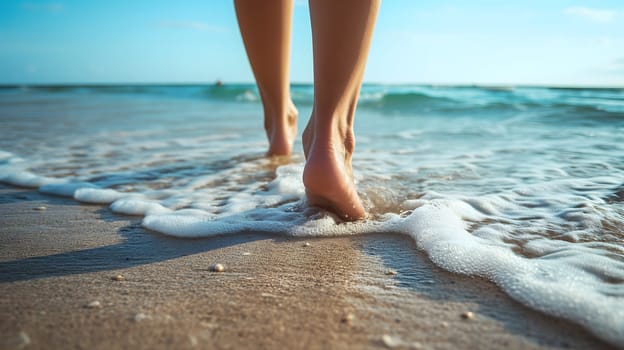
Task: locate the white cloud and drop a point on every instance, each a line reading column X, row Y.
column 52, row 7
column 194, row 25
column 591, row 14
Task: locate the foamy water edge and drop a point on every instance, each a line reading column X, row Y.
column 438, row 226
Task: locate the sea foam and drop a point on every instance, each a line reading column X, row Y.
column 97, row 195
column 568, row 282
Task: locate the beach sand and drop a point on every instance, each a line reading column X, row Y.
column 275, row 292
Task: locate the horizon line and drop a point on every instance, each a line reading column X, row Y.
column 218, row 81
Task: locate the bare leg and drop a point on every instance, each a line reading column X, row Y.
column 341, row 31
column 265, row 27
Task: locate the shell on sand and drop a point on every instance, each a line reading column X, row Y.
column 468, row 315
column 217, row 268
column 391, row 341
column 94, row 305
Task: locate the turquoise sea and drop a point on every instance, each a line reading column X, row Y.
column 523, row 186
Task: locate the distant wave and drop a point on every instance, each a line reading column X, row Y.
column 406, row 100
column 593, row 102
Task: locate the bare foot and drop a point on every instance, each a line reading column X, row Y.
column 281, row 132
column 327, row 175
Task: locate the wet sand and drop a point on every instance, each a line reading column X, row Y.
column 275, row 292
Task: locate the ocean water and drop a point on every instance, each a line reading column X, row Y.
column 522, row 186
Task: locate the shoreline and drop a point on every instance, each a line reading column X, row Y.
column 275, row 292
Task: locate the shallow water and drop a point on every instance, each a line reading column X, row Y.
column 523, row 186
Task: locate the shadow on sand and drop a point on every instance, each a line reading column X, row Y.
column 138, row 246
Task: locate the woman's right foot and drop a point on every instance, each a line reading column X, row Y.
column 327, row 175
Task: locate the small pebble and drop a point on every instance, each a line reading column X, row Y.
column 444, row 324
column 246, row 253
column 140, row 317
column 94, row 305
column 468, row 315
column 390, row 341
column 306, row 244
column 217, row 268
column 40, row 208
column 118, row 278
column 348, row 318
column 391, row 272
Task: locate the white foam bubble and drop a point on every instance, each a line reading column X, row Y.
column 25, row 178
column 12, row 172
column 287, row 182
column 97, row 195
column 191, row 226
column 134, row 206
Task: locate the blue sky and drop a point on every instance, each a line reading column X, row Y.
column 553, row 42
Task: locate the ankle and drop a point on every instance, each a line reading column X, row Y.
column 333, row 126
column 283, row 116
column 281, row 128
column 333, row 139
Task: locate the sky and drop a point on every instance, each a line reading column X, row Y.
column 492, row 42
